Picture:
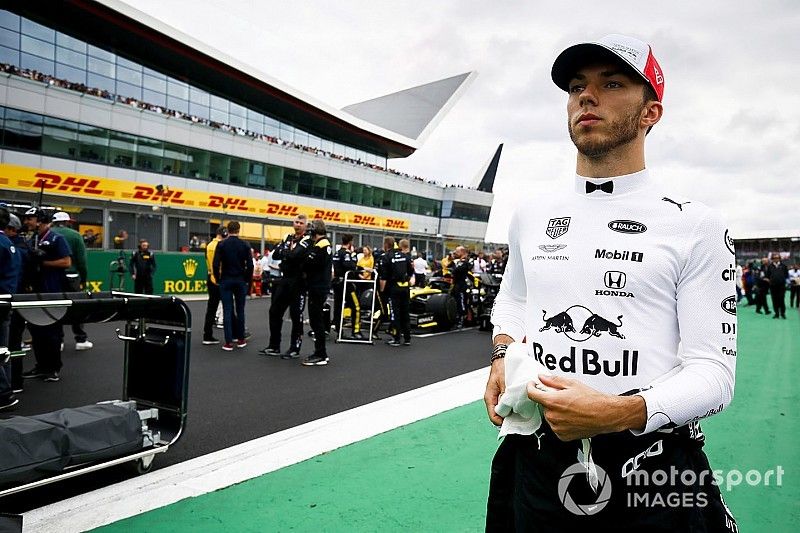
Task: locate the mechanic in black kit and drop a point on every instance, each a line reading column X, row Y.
column 289, row 291
column 397, row 278
column 460, row 269
column 317, row 270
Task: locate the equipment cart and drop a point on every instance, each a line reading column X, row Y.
column 148, row 419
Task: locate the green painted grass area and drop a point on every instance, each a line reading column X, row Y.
column 433, row 475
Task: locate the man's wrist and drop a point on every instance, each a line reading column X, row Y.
column 629, row 412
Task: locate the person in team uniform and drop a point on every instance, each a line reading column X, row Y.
column 397, row 278
column 49, row 259
column 598, row 396
column 289, row 291
column 214, row 296
column 778, row 276
column 460, row 269
column 317, row 270
column 143, row 268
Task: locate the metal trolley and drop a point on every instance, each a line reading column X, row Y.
column 156, row 345
column 371, row 283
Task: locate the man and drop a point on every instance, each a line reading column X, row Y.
column 49, row 259
column 214, row 297
column 498, row 264
column 460, row 269
column 621, row 401
column 263, row 263
column 77, row 273
column 794, row 284
column 397, row 275
column 346, row 260
column 17, row 326
column 289, row 292
column 143, row 268
column 10, row 264
column 479, row 264
column 762, row 287
column 317, row 268
column 778, row 275
column 420, row 271
column 233, row 267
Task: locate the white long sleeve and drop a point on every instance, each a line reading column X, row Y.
column 626, row 291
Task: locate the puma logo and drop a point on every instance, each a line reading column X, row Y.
column 670, row 200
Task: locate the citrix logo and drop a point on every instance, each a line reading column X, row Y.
column 729, row 274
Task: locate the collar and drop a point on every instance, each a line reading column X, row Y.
column 624, row 184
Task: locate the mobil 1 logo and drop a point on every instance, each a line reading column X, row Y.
column 619, row 255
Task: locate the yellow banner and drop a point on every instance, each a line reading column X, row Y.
column 66, row 184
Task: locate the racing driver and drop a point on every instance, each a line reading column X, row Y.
column 616, row 286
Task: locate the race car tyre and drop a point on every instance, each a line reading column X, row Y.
column 444, row 310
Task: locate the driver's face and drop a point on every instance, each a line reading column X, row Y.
column 299, row 226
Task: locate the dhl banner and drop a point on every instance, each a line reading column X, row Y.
column 67, row 184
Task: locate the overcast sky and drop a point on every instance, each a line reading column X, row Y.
column 730, row 135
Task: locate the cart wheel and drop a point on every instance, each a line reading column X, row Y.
column 143, row 465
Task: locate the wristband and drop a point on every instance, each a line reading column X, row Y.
column 498, row 352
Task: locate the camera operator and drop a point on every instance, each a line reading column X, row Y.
column 50, row 257
column 289, row 292
column 461, row 268
column 317, row 268
column 76, row 274
column 346, row 260
column 143, row 268
column 397, row 276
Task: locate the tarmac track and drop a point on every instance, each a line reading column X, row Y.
column 238, row 396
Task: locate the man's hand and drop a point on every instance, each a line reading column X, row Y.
column 494, row 388
column 576, row 411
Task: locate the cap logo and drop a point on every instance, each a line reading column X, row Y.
column 633, row 53
column 659, row 77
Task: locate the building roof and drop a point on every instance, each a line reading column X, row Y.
column 414, row 112
column 133, row 34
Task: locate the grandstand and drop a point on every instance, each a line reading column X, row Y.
column 131, row 125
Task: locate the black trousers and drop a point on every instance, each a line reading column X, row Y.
column 400, row 298
column 143, row 284
column 211, row 308
column 541, row 484
column 47, row 346
column 316, row 299
column 778, row 293
column 288, row 293
column 761, row 299
column 794, row 296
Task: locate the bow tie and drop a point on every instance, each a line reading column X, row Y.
column 605, row 187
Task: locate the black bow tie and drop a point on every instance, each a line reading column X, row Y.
column 605, row 187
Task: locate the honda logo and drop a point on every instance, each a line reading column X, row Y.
column 615, row 279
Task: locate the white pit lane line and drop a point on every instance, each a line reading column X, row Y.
column 254, row 458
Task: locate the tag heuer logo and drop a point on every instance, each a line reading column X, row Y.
column 556, row 227
column 627, row 226
column 550, row 248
